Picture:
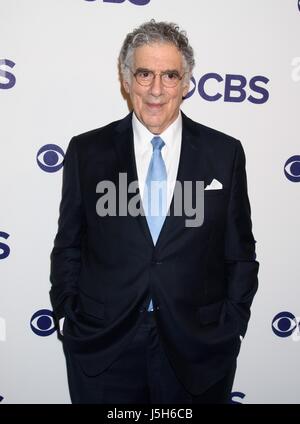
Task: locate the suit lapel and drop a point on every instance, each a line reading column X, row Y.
column 193, row 166
column 124, row 146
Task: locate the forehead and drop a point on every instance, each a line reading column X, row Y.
column 157, row 56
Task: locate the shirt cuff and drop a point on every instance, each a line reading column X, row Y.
column 61, row 325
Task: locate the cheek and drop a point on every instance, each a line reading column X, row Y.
column 137, row 100
column 176, row 100
column 136, row 96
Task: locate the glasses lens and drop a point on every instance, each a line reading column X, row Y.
column 144, row 77
column 170, row 79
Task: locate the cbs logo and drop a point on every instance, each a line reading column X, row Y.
column 292, row 169
column 238, row 395
column 4, row 248
column 50, row 158
column 135, row 2
column 285, row 324
column 232, row 88
column 7, row 79
column 42, row 323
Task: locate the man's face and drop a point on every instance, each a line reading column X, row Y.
column 156, row 106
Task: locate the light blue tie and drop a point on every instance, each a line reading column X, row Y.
column 155, row 195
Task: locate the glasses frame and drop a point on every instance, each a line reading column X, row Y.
column 154, row 76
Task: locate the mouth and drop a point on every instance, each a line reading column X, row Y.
column 154, row 106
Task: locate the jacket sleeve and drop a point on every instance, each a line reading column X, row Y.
column 240, row 258
column 66, row 254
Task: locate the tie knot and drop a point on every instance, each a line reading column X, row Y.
column 157, row 143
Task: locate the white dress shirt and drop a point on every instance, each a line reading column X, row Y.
column 170, row 152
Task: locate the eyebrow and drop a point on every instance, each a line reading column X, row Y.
column 171, row 71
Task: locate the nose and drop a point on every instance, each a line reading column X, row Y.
column 156, row 87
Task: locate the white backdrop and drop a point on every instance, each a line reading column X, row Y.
column 58, row 78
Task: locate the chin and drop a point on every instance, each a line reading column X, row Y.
column 154, row 127
column 154, row 122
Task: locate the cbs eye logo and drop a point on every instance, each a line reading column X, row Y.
column 292, row 168
column 50, row 158
column 285, row 324
column 135, row 2
column 238, row 395
column 42, row 323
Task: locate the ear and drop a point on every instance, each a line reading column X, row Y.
column 185, row 89
column 126, row 86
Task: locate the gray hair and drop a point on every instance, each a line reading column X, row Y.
column 156, row 32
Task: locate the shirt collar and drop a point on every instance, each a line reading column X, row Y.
column 143, row 136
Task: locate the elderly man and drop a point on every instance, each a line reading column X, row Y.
column 153, row 310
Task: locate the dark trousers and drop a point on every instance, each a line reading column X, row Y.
column 142, row 374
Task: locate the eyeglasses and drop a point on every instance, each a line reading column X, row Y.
column 146, row 77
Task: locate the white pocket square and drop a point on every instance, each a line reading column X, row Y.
column 214, row 185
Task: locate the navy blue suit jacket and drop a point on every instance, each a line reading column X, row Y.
column 104, row 270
